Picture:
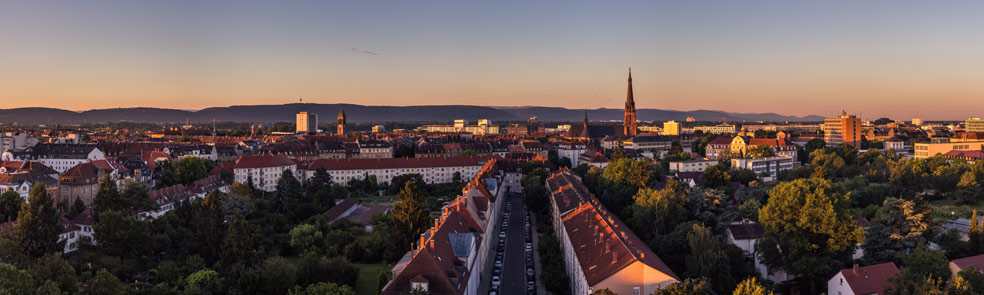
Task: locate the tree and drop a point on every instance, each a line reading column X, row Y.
column 658, row 212
column 749, row 209
column 760, row 151
column 10, row 204
column 105, row 283
column 77, row 207
column 37, row 224
column 53, row 268
column 235, row 246
column 750, row 287
column 809, row 229
column 687, row 287
column 136, row 196
column 306, row 238
column 923, row 272
column 116, row 233
column 706, row 256
column 14, row 281
column 604, row 291
column 973, row 278
column 899, row 227
column 205, row 281
column 288, row 189
column 717, row 176
column 625, row 171
column 278, row 275
column 323, row 288
column 381, row 281
column 408, row 217
column 825, row 165
column 108, row 197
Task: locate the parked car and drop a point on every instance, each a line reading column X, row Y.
column 495, row 281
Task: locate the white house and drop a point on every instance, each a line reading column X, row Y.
column 745, row 234
column 265, row 170
column 433, row 170
column 863, row 280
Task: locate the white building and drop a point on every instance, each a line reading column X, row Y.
column 745, row 234
column 717, row 129
column 692, row 165
column 766, row 168
column 862, row 280
column 64, row 157
column 572, row 151
column 433, row 170
column 265, row 170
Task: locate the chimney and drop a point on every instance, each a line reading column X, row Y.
column 437, row 223
column 422, row 240
column 432, row 244
column 855, row 269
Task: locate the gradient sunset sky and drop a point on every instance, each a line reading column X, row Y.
column 900, row 59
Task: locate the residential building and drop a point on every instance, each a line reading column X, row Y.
column 917, row 121
column 957, row 265
column 974, row 125
column 843, row 129
column 600, row 252
column 862, row 280
column 740, row 146
column 671, row 128
column 264, row 169
column 718, row 146
column 717, row 129
column 766, row 168
column 942, row 146
column 16, row 141
column 573, row 151
column 307, row 122
column 452, row 257
column 61, row 157
column 433, row 170
column 698, row 165
column 895, row 144
column 80, row 182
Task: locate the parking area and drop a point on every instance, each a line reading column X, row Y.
column 513, row 266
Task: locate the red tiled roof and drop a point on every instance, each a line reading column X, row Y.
column 721, row 140
column 263, row 161
column 975, row 261
column 970, row 155
column 870, row 279
column 603, row 244
column 397, row 163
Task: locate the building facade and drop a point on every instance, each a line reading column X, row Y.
column 843, row 129
column 307, row 122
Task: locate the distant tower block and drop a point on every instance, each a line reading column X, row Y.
column 630, row 111
column 307, row 122
column 341, row 122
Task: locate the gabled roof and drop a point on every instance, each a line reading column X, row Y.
column 870, row 279
column 396, row 163
column 603, row 244
column 746, row 231
column 336, row 211
column 975, row 261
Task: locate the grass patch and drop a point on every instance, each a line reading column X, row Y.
column 368, row 274
column 944, row 210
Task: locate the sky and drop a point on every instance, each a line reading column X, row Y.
column 900, row 59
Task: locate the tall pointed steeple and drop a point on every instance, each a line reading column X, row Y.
column 630, row 110
column 341, row 122
column 584, row 131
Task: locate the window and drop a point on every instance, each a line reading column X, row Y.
column 635, row 291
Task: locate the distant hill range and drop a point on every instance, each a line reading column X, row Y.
column 361, row 113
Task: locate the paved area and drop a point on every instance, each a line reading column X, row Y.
column 514, row 258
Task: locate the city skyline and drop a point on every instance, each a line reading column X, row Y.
column 894, row 59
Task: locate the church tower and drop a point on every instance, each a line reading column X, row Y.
column 630, row 111
column 341, row 122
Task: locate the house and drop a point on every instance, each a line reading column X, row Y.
column 717, row 146
column 600, row 252
column 766, row 169
column 62, row 157
column 80, row 182
column 265, row 170
column 745, row 234
column 863, row 280
column 957, row 265
column 433, row 170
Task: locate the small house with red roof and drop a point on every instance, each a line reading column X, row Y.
column 862, row 280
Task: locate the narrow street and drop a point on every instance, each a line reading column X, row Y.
column 514, row 258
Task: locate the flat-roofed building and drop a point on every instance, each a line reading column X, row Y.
column 974, row 125
column 307, row 122
column 843, row 129
column 671, row 128
column 766, row 168
column 698, row 165
column 942, row 146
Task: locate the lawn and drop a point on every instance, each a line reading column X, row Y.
column 944, row 210
column 368, row 274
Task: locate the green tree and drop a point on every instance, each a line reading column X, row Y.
column 826, row 165
column 77, row 207
column 809, row 229
column 625, row 171
column 37, row 224
column 205, row 282
column 407, row 217
column 306, row 238
column 108, row 197
column 923, row 272
column 235, row 246
column 323, row 288
column 973, row 278
column 136, row 196
column 10, row 204
column 899, row 227
column 54, row 269
column 706, row 258
column 658, row 212
column 116, row 233
column 14, row 281
column 760, row 151
column 381, row 280
column 278, row 275
column 105, row 283
column 750, row 287
column 717, row 176
column 749, row 209
column 288, row 190
column 687, row 287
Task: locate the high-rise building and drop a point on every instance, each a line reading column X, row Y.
column 974, row 125
column 630, row 111
column 843, row 129
column 341, row 122
column 307, row 122
column 671, row 128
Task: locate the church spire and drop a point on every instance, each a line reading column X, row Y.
column 630, row 110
